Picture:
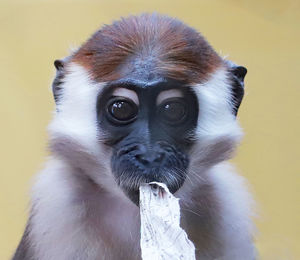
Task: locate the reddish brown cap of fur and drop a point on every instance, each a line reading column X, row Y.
column 152, row 43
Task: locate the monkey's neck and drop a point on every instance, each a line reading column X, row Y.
column 86, row 221
column 109, row 216
column 73, row 218
column 117, row 220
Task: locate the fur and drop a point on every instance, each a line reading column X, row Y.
column 79, row 212
column 150, row 42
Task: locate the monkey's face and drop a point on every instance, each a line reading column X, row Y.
column 145, row 99
column 149, row 128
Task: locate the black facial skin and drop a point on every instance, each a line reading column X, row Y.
column 152, row 142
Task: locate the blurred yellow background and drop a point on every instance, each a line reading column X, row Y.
column 262, row 35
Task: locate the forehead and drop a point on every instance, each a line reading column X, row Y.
column 142, row 84
column 147, row 48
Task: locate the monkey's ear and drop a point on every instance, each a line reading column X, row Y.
column 237, row 75
column 59, row 77
column 59, row 64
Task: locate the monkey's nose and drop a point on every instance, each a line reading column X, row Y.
column 150, row 159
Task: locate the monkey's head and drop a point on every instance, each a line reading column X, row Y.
column 145, row 99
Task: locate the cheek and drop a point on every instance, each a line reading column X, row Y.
column 111, row 135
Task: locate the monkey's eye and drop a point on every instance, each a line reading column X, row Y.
column 173, row 111
column 121, row 110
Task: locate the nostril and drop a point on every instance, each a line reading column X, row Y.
column 147, row 159
column 159, row 157
column 142, row 159
column 127, row 150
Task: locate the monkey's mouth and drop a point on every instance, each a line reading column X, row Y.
column 133, row 192
column 133, row 181
column 132, row 166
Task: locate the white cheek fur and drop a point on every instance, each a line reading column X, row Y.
column 74, row 133
column 216, row 118
column 77, row 117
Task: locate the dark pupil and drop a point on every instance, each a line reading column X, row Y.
column 122, row 110
column 173, row 111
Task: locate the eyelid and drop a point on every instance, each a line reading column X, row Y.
column 168, row 94
column 172, row 99
column 122, row 98
column 127, row 94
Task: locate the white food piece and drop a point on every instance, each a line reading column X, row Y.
column 162, row 238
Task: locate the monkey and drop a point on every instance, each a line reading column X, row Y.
column 144, row 99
